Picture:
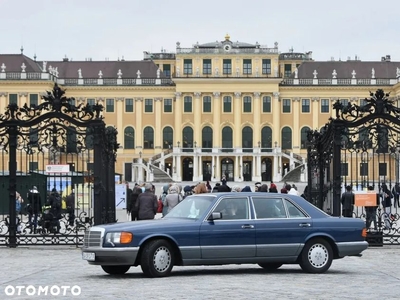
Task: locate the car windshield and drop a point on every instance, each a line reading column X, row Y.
column 192, row 207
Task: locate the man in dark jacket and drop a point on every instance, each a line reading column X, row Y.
column 35, row 206
column 347, row 202
column 132, row 208
column 147, row 203
column 70, row 201
column 371, row 212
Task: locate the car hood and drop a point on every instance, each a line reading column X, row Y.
column 147, row 224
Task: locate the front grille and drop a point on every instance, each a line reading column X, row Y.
column 92, row 239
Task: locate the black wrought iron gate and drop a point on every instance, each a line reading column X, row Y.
column 359, row 148
column 57, row 166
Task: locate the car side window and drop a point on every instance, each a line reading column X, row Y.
column 293, row 211
column 269, row 208
column 233, row 208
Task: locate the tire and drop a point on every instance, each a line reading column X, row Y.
column 115, row 270
column 270, row 266
column 157, row 259
column 317, row 256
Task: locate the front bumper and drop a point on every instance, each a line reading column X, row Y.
column 351, row 248
column 113, row 256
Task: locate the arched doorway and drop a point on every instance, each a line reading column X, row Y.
column 266, row 169
column 247, row 170
column 227, row 169
column 187, row 169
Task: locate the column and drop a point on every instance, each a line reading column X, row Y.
column 296, row 130
column 217, row 104
column 178, row 118
column 241, row 168
column 178, row 168
column 237, row 113
column 253, row 168
column 276, row 118
column 237, row 175
column 197, row 118
column 315, row 112
column 120, row 116
column 158, row 142
column 213, row 177
column 3, row 99
column 257, row 118
column 195, row 167
column 138, row 124
column 258, row 168
column 218, row 168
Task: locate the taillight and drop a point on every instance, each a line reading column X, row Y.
column 364, row 232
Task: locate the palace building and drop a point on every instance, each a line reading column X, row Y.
column 220, row 108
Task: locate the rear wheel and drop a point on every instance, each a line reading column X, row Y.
column 157, row 259
column 115, row 270
column 270, row 266
column 317, row 256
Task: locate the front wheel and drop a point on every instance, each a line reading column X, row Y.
column 157, row 259
column 115, row 270
column 317, row 256
column 270, row 266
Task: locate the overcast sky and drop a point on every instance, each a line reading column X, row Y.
column 116, row 28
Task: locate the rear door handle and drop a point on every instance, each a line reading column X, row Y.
column 305, row 225
column 247, row 226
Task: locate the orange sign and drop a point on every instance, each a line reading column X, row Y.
column 365, row 199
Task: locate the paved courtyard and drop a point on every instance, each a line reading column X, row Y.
column 376, row 275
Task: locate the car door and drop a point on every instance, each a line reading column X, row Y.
column 233, row 236
column 281, row 227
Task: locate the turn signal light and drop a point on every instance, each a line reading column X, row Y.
column 364, row 233
column 126, row 237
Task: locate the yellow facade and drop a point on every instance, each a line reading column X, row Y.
column 257, row 93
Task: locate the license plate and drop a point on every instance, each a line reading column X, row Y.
column 90, row 256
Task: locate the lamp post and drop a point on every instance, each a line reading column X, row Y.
column 140, row 154
column 276, row 144
column 214, row 171
column 259, row 144
column 178, row 143
column 240, row 171
column 195, row 144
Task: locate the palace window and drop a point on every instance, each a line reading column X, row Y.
column 167, row 70
column 247, row 69
column 266, row 104
column 247, row 104
column 33, row 100
column 167, row 105
column 91, row 102
column 227, row 139
column 148, row 138
column 286, row 105
column 207, row 139
column 286, row 138
column 187, row 104
column 305, row 105
column 227, row 104
column 207, row 66
column 129, row 138
column 13, row 98
column 109, row 105
column 324, row 105
column 207, row 104
column 148, row 105
column 288, row 70
column 363, row 169
column 266, row 139
column 187, row 67
column 247, row 139
column 167, row 137
column 227, row 66
column 266, row 66
column 303, row 136
column 129, row 105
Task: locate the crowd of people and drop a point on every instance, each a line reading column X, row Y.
column 143, row 202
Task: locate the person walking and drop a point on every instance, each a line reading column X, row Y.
column 370, row 212
column 70, row 201
column 347, row 202
column 387, row 206
column 35, row 206
column 136, row 191
column 147, row 203
column 396, row 194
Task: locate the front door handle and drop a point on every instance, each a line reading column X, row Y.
column 305, row 225
column 247, row 226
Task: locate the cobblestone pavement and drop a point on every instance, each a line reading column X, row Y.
column 376, row 275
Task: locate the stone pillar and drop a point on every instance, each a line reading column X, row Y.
column 178, row 168
column 218, row 168
column 217, row 105
column 296, row 129
column 213, row 166
column 138, row 124
column 237, row 171
column 197, row 112
column 178, row 118
column 195, row 167
column 241, row 168
column 120, row 113
column 276, row 118
column 257, row 117
column 158, row 142
column 315, row 109
column 237, row 113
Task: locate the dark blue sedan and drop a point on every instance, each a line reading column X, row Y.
column 267, row 229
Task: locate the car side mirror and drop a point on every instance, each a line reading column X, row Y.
column 215, row 216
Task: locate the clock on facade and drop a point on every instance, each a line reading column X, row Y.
column 227, row 47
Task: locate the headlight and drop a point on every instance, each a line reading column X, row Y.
column 123, row 237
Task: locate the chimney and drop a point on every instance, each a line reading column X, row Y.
column 388, row 58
